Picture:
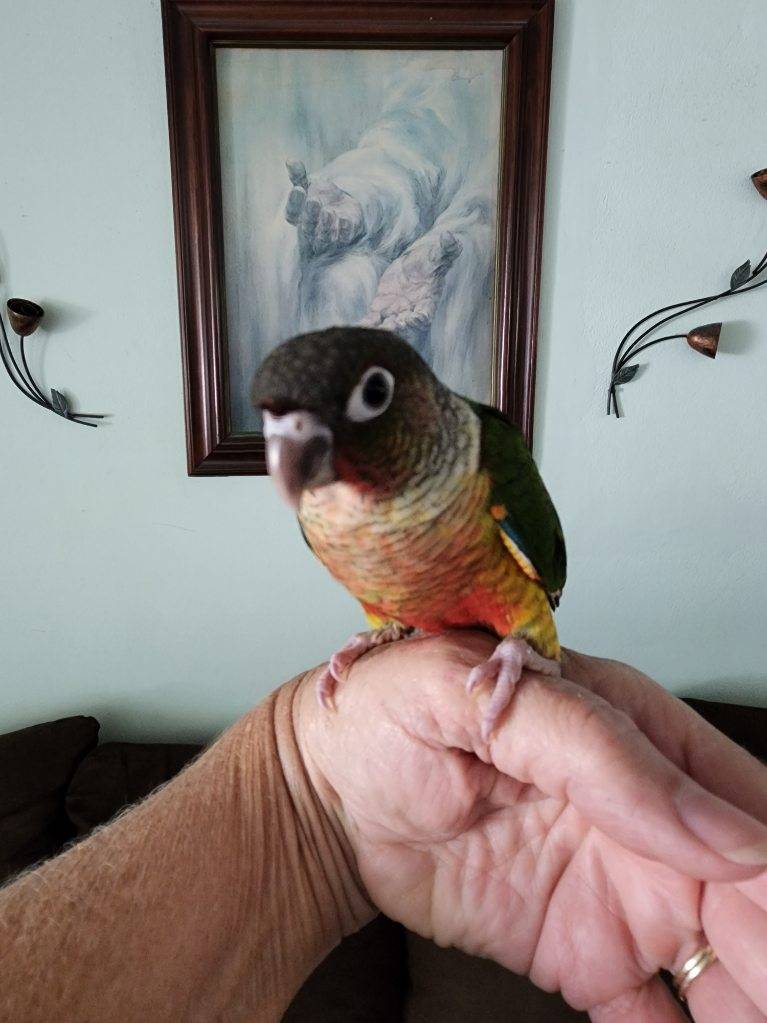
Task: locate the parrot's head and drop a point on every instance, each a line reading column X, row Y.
column 350, row 404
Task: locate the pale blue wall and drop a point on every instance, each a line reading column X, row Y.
column 167, row 605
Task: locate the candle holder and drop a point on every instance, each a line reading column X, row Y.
column 704, row 340
column 24, row 318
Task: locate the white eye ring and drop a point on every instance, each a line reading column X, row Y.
column 371, row 396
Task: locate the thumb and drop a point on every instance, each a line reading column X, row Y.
column 297, row 173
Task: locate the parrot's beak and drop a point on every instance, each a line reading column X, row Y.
column 299, row 453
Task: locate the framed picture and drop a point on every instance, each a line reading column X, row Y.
column 354, row 163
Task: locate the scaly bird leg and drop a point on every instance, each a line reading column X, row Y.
column 504, row 668
column 351, row 651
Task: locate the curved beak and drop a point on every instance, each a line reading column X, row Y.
column 299, row 453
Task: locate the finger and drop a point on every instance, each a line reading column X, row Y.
column 423, row 314
column 572, row 744
column 651, row 1003
column 400, row 322
column 324, row 227
column 312, row 212
column 334, row 228
column 681, row 734
column 295, row 205
column 756, row 890
column 297, row 174
column 445, row 250
column 719, row 764
column 737, row 929
column 450, row 245
column 714, row 997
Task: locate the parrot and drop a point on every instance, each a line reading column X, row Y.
column 425, row 505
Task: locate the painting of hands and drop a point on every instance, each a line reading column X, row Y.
column 360, row 186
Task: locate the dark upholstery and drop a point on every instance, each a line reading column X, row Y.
column 365, row 980
column 118, row 774
column 55, row 785
column 745, row 725
column 448, row 986
column 36, row 767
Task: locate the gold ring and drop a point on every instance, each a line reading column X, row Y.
column 693, row 968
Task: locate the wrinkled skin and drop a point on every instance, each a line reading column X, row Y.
column 559, row 848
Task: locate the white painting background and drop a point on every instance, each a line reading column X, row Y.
column 413, row 138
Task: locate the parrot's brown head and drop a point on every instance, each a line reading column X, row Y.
column 351, row 404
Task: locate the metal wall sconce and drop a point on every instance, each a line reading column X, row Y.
column 24, row 317
column 703, row 339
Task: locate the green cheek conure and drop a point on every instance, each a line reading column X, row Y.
column 428, row 507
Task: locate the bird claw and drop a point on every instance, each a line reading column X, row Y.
column 504, row 668
column 325, row 687
column 351, row 651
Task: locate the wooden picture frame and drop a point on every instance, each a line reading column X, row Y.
column 193, row 29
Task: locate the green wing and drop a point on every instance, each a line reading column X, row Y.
column 520, row 501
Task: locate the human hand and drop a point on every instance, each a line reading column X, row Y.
column 327, row 218
column 583, row 845
column 411, row 287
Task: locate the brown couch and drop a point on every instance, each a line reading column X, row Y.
column 57, row 783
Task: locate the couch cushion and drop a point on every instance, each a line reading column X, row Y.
column 36, row 766
column 364, row 980
column 448, row 986
column 745, row 725
column 118, row 774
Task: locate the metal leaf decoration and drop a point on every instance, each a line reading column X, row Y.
column 625, row 374
column 703, row 339
column 741, row 275
column 59, row 403
column 24, row 317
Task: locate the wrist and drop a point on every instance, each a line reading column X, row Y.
column 300, row 894
column 327, row 856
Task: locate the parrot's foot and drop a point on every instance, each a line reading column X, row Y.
column 511, row 657
column 351, row 651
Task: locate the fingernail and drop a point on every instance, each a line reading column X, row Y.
column 723, row 827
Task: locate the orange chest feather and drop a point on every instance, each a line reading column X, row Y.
column 431, row 561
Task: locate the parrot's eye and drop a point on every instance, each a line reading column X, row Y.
column 371, row 396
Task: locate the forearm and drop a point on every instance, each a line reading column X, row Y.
column 213, row 899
